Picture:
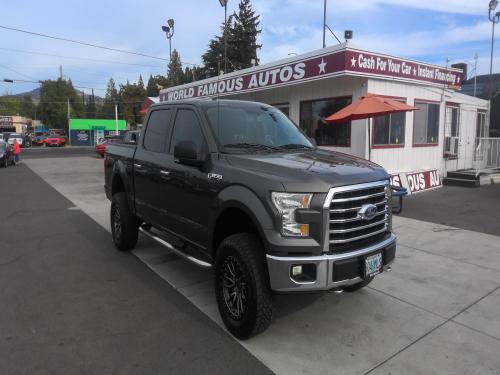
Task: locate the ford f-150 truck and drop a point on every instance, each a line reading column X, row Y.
column 237, row 186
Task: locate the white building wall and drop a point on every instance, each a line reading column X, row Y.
column 414, row 158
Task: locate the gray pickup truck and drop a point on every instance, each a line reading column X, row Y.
column 238, row 187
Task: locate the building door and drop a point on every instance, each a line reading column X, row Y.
column 481, row 143
column 457, row 143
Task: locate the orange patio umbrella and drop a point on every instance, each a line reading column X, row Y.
column 367, row 107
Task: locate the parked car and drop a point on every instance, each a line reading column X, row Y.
column 15, row 136
column 238, row 187
column 6, row 155
column 39, row 140
column 55, row 141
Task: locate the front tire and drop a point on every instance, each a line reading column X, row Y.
column 242, row 286
column 124, row 225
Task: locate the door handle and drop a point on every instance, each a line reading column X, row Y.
column 165, row 173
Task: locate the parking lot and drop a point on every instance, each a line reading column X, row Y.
column 72, row 303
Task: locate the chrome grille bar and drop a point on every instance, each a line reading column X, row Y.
column 344, row 226
column 359, row 228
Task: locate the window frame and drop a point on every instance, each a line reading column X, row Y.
column 324, row 99
column 447, row 154
column 426, row 101
column 167, row 134
column 372, row 125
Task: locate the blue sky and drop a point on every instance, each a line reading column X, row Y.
column 427, row 30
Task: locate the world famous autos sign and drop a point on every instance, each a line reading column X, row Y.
column 417, row 181
column 313, row 67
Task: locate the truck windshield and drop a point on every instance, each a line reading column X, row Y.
column 254, row 127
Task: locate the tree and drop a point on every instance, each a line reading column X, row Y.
column 131, row 98
column 53, row 107
column 213, row 57
column 111, row 98
column 152, row 88
column 175, row 74
column 244, row 34
column 241, row 31
column 90, row 106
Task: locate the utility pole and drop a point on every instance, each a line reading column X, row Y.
column 223, row 3
column 475, row 73
column 324, row 23
column 116, row 118
column 61, row 72
column 69, row 125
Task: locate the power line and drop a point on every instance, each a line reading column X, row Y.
column 88, row 44
column 77, row 58
column 40, row 81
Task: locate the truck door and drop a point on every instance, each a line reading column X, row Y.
column 150, row 166
column 188, row 196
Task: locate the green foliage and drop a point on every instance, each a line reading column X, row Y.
column 131, row 97
column 53, row 107
column 110, row 99
column 10, row 106
column 241, row 32
column 175, row 74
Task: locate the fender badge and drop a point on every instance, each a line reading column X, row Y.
column 214, row 176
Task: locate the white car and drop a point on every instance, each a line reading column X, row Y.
column 15, row 136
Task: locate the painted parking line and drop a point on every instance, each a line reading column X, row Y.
column 350, row 333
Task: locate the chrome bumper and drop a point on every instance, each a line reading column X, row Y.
column 281, row 281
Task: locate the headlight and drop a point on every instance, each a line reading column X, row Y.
column 287, row 203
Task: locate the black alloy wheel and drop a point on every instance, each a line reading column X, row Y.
column 234, row 288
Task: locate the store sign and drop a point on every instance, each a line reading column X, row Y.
column 419, row 181
column 82, row 136
column 6, row 121
column 315, row 67
column 365, row 62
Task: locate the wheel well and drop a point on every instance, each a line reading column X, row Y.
column 231, row 221
column 117, row 186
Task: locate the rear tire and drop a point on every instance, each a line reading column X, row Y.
column 242, row 286
column 358, row 286
column 124, row 225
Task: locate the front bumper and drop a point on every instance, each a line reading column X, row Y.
column 332, row 270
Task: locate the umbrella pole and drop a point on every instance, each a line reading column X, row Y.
column 369, row 138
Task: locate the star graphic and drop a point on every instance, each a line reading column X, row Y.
column 353, row 61
column 322, row 66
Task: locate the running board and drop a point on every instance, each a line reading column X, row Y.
column 178, row 252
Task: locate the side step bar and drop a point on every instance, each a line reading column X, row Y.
column 178, row 252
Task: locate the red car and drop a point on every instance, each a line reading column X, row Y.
column 55, row 141
column 101, row 149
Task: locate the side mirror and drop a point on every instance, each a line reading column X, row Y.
column 185, row 153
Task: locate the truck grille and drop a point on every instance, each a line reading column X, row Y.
column 346, row 228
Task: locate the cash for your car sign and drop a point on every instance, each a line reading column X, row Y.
column 316, row 65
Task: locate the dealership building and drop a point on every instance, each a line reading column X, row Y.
column 418, row 148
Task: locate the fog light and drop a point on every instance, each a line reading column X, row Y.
column 296, row 270
column 303, row 273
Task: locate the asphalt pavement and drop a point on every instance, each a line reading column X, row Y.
column 71, row 304
column 37, row 152
column 437, row 312
column 476, row 209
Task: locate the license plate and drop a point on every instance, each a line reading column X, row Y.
column 373, row 265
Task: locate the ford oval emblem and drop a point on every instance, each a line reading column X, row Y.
column 367, row 211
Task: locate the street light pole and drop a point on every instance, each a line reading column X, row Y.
column 494, row 18
column 223, row 3
column 324, row 23
column 169, row 31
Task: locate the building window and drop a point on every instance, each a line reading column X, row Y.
column 451, row 131
column 426, row 124
column 312, row 121
column 285, row 108
column 389, row 130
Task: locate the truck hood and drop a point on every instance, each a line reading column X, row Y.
column 310, row 171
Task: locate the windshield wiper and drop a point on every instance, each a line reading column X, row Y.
column 296, row 146
column 254, row 146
